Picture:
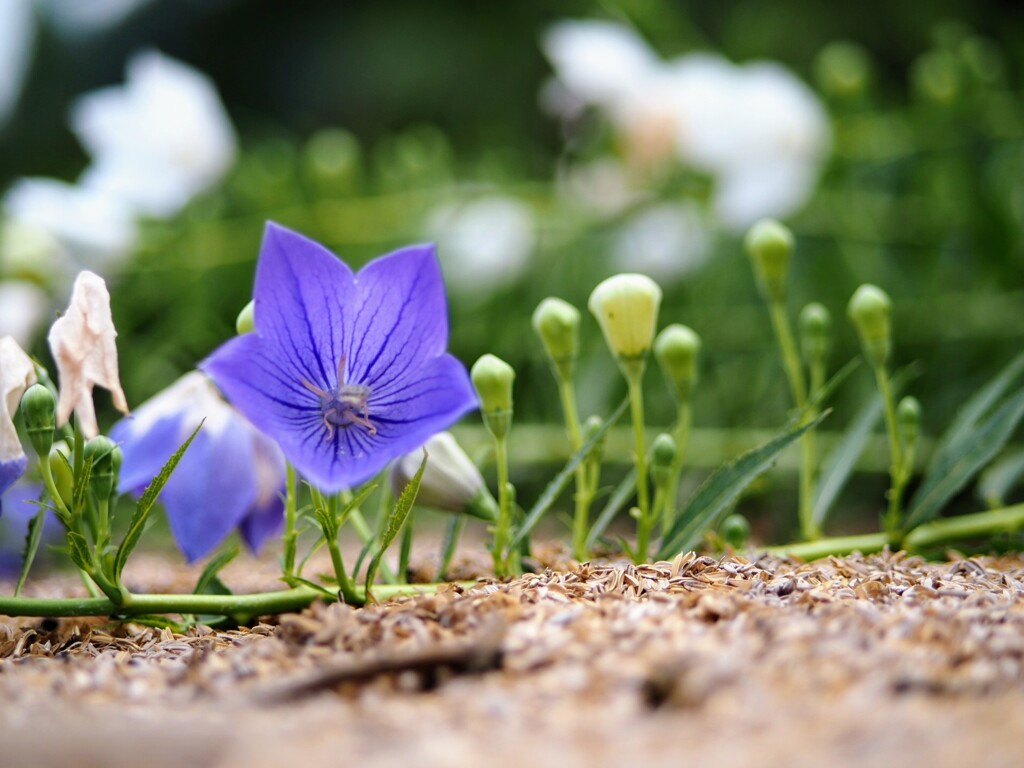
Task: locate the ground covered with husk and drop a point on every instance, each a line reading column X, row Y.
column 884, row 660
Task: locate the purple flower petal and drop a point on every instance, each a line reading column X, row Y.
column 146, row 454
column 11, row 470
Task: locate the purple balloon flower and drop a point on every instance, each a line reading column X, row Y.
column 232, row 475
column 346, row 372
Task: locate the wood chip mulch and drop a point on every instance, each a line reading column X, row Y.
column 883, row 660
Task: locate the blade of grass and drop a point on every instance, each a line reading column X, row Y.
column 399, row 514
column 623, row 492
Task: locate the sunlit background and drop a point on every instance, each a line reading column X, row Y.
column 543, row 147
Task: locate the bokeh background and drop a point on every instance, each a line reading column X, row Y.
column 544, row 147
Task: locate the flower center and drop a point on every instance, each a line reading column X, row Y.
column 344, row 405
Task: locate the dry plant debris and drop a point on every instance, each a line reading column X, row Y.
column 856, row 660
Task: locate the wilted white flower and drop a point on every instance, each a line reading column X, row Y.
column 157, row 141
column 17, row 373
column 94, row 227
column 484, row 244
column 82, row 344
column 451, row 482
column 666, row 241
column 23, row 306
column 17, row 36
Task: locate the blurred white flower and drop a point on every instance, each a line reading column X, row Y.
column 157, row 141
column 483, row 244
column 74, row 18
column 600, row 186
column 97, row 228
column 17, row 373
column 17, row 38
column 666, row 241
column 756, row 129
column 29, row 251
column 82, row 345
column 23, row 306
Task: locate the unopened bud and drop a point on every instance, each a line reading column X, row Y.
column 663, row 454
column 591, row 427
column 106, row 463
column 676, row 350
column 626, row 308
column 869, row 310
column 842, row 70
column 246, row 321
column 908, row 413
column 815, row 323
column 39, row 410
column 63, row 476
column 735, row 531
column 557, row 324
column 492, row 377
column 770, row 245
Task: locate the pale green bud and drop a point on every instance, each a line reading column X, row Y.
column 626, row 308
column 106, row 464
column 770, row 245
column 815, row 324
column 842, row 70
column 63, row 477
column 663, row 453
column 590, row 428
column 39, row 410
column 492, row 377
column 735, row 530
column 869, row 311
column 676, row 350
column 908, row 413
column 246, row 322
column 557, row 324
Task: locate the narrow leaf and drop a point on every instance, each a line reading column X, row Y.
column 721, row 490
column 830, row 386
column 979, row 404
column 623, row 492
column 558, row 483
column 145, row 505
column 1000, row 478
column 452, row 532
column 399, row 514
column 81, row 486
column 32, row 538
column 294, row 581
column 78, row 549
column 963, row 459
column 217, row 563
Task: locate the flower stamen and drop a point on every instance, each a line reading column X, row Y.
column 344, row 405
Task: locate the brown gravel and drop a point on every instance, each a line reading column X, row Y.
column 854, row 661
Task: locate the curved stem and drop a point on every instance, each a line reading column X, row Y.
column 898, row 471
column 502, row 531
column 583, row 496
column 636, row 408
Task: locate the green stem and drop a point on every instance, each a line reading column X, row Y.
column 583, row 497
column 239, row 606
column 898, row 472
column 451, row 542
column 503, row 529
column 636, row 409
column 290, row 537
column 345, row 585
column 367, row 536
column 681, row 435
column 51, row 488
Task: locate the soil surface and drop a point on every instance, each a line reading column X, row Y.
column 883, row 660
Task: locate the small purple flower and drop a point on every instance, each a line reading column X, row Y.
column 19, row 507
column 346, row 372
column 232, row 475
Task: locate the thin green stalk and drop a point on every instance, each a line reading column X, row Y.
column 636, row 409
column 345, row 585
column 898, row 472
column 681, row 435
column 405, row 551
column 503, row 529
column 367, row 536
column 290, row 537
column 583, row 496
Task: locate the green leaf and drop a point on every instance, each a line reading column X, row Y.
column 81, row 486
column 830, row 386
column 399, row 514
column 721, row 490
column 981, row 403
column 78, row 549
column 452, row 532
column 558, row 483
column 1000, row 478
column 962, row 458
column 355, row 502
column 145, row 505
column 623, row 492
column 209, row 582
column 32, row 538
column 294, row 581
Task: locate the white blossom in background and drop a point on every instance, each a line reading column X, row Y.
column 17, row 373
column 157, row 141
column 599, row 186
column 483, row 244
column 17, row 39
column 756, row 129
column 83, row 347
column 666, row 241
column 23, row 307
column 84, row 18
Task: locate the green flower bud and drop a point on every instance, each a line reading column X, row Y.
column 39, row 409
column 735, row 530
column 590, row 428
column 246, row 322
column 676, row 350
column 63, row 477
column 334, row 161
column 663, row 453
column 626, row 308
column 106, row 463
column 936, row 77
column 770, row 245
column 869, row 311
column 492, row 377
column 842, row 70
column 557, row 324
column 908, row 413
column 815, row 323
